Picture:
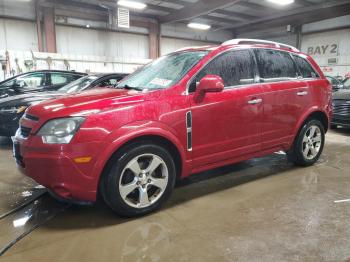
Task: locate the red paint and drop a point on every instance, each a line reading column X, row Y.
column 227, row 128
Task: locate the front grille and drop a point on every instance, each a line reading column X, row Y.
column 341, row 121
column 341, row 107
column 31, row 117
column 25, row 131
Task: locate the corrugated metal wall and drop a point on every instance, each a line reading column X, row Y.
column 18, row 35
column 79, row 41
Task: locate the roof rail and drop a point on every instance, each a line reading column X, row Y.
column 259, row 41
column 192, row 47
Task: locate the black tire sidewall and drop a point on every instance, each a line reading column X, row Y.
column 110, row 186
column 298, row 147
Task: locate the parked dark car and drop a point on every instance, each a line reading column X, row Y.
column 336, row 83
column 12, row 108
column 341, row 108
column 37, row 81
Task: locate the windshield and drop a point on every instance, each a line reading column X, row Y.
column 347, row 83
column 78, row 85
column 7, row 83
column 163, row 72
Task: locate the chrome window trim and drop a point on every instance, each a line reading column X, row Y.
column 258, row 77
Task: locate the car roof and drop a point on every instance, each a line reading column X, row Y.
column 56, row 71
column 43, row 71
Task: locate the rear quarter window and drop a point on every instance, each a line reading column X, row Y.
column 305, row 68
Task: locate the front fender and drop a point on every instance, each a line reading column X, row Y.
column 131, row 131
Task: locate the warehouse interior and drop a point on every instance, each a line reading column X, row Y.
column 261, row 209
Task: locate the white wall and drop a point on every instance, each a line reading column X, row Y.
column 18, row 35
column 80, row 41
column 329, row 45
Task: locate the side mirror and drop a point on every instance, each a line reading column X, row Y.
column 210, row 83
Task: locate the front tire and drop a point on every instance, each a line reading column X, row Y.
column 309, row 143
column 139, row 180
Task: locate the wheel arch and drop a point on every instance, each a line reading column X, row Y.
column 322, row 117
column 164, row 138
column 158, row 140
column 315, row 113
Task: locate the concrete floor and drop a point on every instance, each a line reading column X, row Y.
column 260, row 210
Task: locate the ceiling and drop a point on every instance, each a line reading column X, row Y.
column 237, row 15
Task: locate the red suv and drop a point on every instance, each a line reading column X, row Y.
column 186, row 112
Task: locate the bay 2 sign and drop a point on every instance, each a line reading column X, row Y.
column 323, row 50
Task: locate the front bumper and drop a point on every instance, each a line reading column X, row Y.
column 53, row 166
column 9, row 123
column 342, row 120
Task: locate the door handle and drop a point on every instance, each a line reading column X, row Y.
column 255, row 101
column 302, row 93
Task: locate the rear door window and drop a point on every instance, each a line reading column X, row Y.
column 234, row 67
column 305, row 68
column 275, row 65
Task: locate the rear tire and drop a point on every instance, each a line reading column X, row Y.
column 138, row 180
column 309, row 143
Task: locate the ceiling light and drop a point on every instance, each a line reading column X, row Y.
column 282, row 2
column 199, row 26
column 132, row 4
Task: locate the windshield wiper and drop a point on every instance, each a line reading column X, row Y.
column 130, row 87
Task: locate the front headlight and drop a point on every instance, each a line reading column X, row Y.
column 60, row 131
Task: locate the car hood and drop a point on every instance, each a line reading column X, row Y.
column 28, row 99
column 342, row 95
column 87, row 102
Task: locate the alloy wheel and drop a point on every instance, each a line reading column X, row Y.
column 143, row 180
column 312, row 141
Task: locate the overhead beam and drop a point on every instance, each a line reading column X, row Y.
column 297, row 16
column 236, row 15
column 261, row 8
column 193, row 10
column 220, row 19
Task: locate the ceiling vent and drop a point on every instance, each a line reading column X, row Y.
column 123, row 18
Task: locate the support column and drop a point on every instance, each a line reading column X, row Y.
column 154, row 40
column 49, row 28
column 38, row 28
column 298, row 31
